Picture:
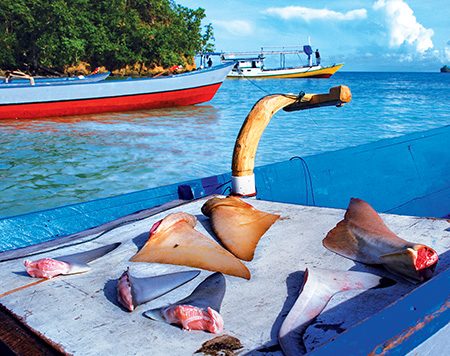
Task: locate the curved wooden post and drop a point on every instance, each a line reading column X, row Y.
column 243, row 179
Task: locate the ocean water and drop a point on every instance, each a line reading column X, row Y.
column 45, row 163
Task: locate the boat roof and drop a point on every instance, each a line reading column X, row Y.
column 243, row 59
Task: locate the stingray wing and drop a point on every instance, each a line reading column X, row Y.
column 238, row 225
column 175, row 241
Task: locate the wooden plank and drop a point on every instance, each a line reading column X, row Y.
column 16, row 339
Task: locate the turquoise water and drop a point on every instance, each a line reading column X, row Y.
column 46, row 163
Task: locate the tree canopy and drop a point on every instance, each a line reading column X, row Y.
column 111, row 33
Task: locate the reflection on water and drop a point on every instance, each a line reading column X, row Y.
column 46, row 163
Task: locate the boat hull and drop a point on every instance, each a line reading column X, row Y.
column 115, row 95
column 182, row 97
column 301, row 72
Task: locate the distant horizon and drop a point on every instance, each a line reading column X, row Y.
column 365, row 35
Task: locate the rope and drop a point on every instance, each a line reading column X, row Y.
column 308, row 179
column 257, row 86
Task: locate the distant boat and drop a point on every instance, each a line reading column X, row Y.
column 27, row 81
column 253, row 67
column 43, row 100
column 445, row 69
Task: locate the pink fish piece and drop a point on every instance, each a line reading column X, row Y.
column 46, row 268
column 124, row 292
column 69, row 264
column 193, row 318
column 198, row 311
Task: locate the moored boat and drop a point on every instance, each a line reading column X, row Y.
column 115, row 95
column 254, row 66
column 305, row 192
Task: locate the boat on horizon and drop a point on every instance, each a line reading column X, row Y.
column 26, row 80
column 47, row 100
column 251, row 64
column 445, row 69
column 404, row 177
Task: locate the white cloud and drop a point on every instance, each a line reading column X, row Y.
column 234, row 27
column 403, row 26
column 308, row 14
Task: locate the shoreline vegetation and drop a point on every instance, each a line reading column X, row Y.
column 126, row 37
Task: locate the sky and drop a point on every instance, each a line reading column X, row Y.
column 365, row 35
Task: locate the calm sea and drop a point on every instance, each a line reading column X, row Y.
column 46, row 163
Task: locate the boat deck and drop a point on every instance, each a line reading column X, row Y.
column 79, row 314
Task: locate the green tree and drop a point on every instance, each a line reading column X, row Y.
column 112, row 33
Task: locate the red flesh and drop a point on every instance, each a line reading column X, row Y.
column 193, row 318
column 46, row 268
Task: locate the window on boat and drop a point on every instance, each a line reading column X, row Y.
column 253, row 64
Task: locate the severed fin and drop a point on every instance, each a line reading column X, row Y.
column 79, row 261
column 237, row 224
column 174, row 240
column 361, row 214
column 134, row 291
column 319, row 286
column 415, row 264
column 344, row 242
column 63, row 265
column 203, row 304
column 362, row 236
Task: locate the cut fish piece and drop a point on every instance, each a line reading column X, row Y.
column 70, row 264
column 237, row 224
column 134, row 291
column 319, row 285
column 174, row 240
column 198, row 311
column 362, row 236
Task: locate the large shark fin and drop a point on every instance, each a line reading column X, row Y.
column 237, row 224
column 175, row 241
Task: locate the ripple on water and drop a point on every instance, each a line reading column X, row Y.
column 51, row 162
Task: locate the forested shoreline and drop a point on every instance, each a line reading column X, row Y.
column 139, row 35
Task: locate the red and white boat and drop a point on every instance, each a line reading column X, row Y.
column 115, row 95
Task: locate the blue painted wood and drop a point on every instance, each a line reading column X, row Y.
column 401, row 327
column 406, row 175
column 50, row 224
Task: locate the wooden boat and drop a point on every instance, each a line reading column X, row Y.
column 402, row 319
column 254, row 67
column 114, row 95
column 28, row 81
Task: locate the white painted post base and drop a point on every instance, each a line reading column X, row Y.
column 243, row 186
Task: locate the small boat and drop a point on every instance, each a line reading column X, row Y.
column 254, row 67
column 28, row 80
column 445, row 69
column 309, row 193
column 43, row 100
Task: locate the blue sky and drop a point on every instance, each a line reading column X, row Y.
column 366, row 35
